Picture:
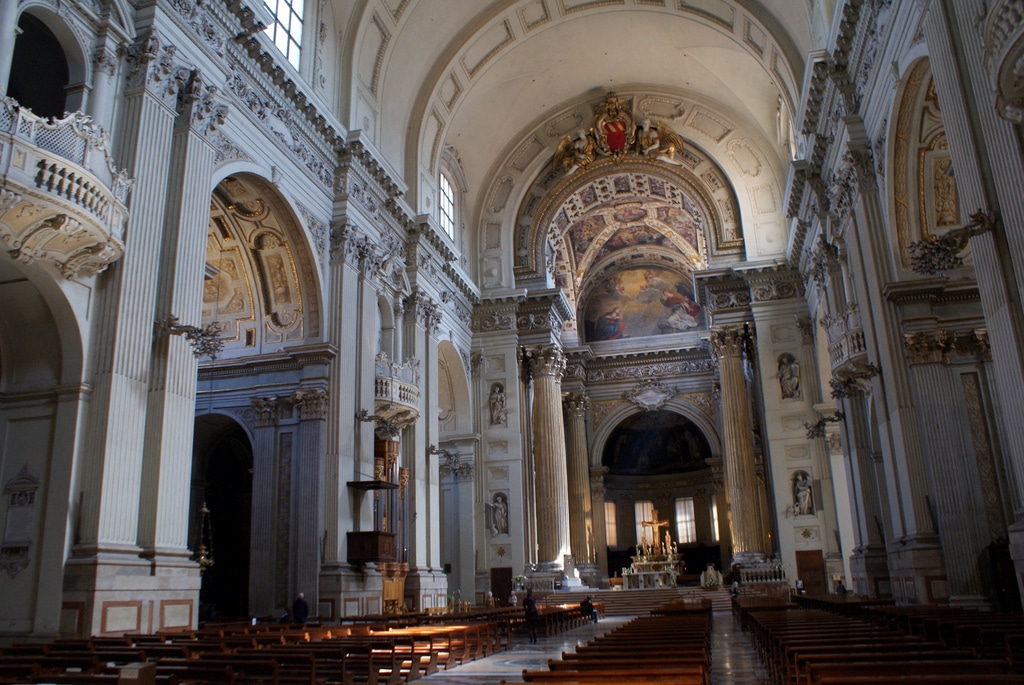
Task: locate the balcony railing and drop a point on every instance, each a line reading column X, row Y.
column 396, row 393
column 846, row 347
column 61, row 198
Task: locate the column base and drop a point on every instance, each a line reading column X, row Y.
column 918, row 572
column 747, row 558
column 1016, row 539
column 869, row 571
column 346, row 590
column 427, row 587
column 115, row 593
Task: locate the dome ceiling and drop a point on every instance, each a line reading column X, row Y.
column 476, row 76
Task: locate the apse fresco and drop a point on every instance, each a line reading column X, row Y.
column 655, row 443
column 641, row 302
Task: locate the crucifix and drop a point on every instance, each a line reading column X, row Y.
column 656, row 525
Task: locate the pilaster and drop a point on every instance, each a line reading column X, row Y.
column 312, row 404
column 105, row 565
column 265, row 526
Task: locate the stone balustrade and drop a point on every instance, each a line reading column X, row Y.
column 63, row 201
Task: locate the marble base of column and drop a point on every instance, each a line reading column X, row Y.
column 869, row 571
column 1016, row 537
column 918, row 572
column 591, row 575
column 747, row 558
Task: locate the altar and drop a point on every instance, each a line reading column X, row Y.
column 652, row 571
column 657, row 561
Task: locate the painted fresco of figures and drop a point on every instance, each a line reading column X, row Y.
column 640, row 302
column 789, row 377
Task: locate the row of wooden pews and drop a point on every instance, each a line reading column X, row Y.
column 988, row 634
column 817, row 647
column 669, row 647
column 271, row 654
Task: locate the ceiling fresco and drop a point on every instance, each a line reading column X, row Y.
column 641, row 302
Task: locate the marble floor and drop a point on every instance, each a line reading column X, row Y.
column 733, row 660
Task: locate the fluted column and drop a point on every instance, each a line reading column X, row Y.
column 307, row 492
column 264, row 526
column 990, row 172
column 869, row 567
column 738, row 443
column 546, row 364
column 114, row 444
column 170, row 413
column 8, row 34
column 600, row 523
column 581, row 514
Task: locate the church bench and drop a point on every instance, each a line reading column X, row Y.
column 237, row 669
column 613, row 652
column 967, row 669
column 950, row 679
column 876, row 654
column 645, row 664
column 681, row 676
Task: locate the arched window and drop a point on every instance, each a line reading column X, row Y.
column 39, row 70
column 286, row 31
column 446, row 207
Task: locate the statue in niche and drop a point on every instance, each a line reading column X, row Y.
column 789, row 377
column 496, row 403
column 803, row 495
column 499, row 514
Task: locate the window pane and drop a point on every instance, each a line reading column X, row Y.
column 714, row 518
column 611, row 524
column 446, row 207
column 644, row 512
column 286, row 31
column 686, row 525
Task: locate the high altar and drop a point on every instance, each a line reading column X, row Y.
column 656, row 564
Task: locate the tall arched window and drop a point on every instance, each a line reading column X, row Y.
column 446, row 207
column 286, row 31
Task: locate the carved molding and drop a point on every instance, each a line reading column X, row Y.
column 543, row 360
column 312, row 403
column 650, row 394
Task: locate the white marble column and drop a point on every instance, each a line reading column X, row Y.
column 126, row 294
column 869, row 568
column 581, row 515
column 955, row 490
column 8, row 34
column 546, row 364
column 600, row 530
column 104, row 81
column 987, row 156
column 748, row 528
column 170, row 413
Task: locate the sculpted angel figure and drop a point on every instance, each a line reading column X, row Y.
column 575, row 151
column 659, row 141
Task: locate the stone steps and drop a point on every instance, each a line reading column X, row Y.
column 638, row 602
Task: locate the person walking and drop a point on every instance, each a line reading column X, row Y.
column 530, row 613
column 300, row 609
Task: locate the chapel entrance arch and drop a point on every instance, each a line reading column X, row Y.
column 222, row 466
column 658, row 469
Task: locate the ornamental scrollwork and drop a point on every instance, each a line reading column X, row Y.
column 934, row 256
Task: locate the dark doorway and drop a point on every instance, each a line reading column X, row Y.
column 501, row 583
column 223, row 480
column 810, row 568
column 39, row 71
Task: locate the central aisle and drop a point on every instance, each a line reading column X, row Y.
column 732, row 656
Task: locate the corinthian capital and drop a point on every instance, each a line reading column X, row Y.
column 576, row 404
column 543, row 360
column 311, row 403
column 730, row 341
column 152, row 66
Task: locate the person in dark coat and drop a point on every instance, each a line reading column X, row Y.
column 531, row 614
column 587, row 610
column 300, row 609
